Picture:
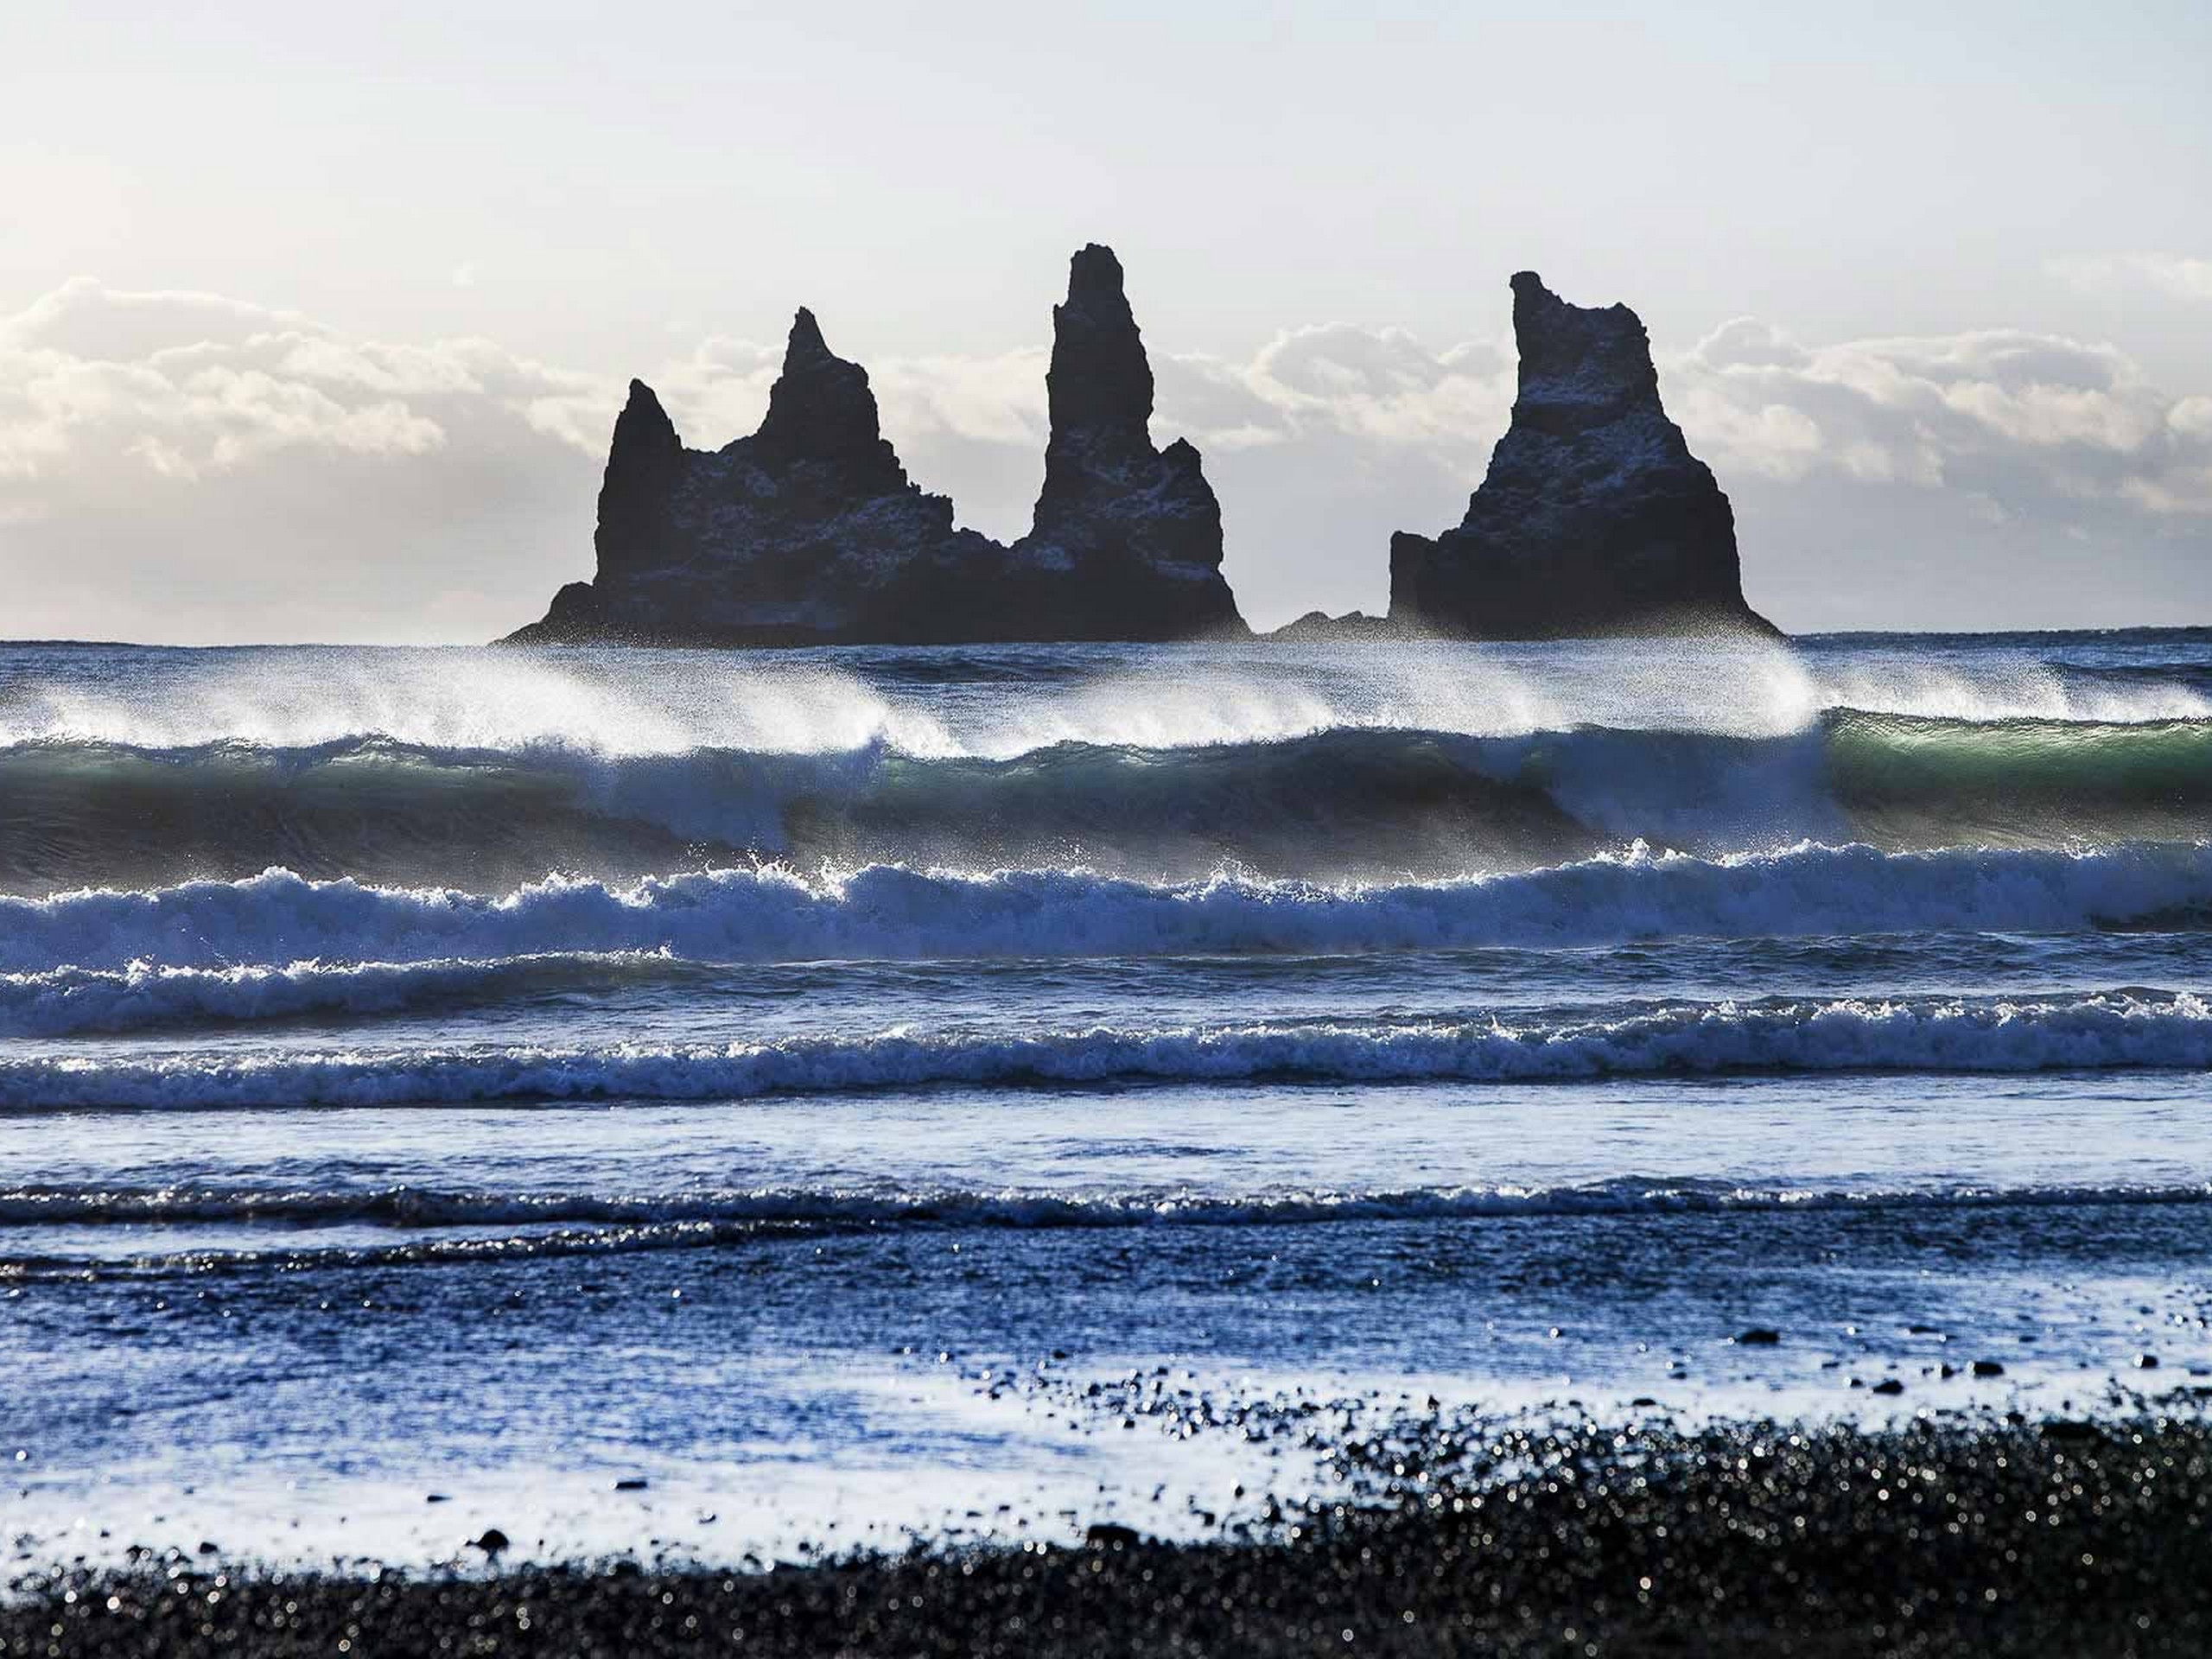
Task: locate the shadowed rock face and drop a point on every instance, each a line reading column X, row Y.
column 821, row 410
column 1594, row 517
column 1126, row 540
column 809, row 532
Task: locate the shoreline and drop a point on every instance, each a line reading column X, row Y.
column 1448, row 1533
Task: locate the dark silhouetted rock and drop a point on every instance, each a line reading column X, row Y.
column 1126, row 540
column 1759, row 1337
column 644, row 466
column 809, row 532
column 1352, row 625
column 821, row 410
column 1594, row 517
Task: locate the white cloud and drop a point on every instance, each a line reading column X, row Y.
column 2016, row 417
column 189, row 467
column 2191, row 417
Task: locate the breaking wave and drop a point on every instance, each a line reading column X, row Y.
column 280, row 940
column 1350, row 801
column 66, row 1001
column 2132, row 1028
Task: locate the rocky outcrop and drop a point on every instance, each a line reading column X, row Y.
column 809, row 532
column 1124, row 534
column 1594, row 517
column 1319, row 627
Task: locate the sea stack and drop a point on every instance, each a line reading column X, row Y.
column 1594, row 517
column 1126, row 540
column 809, row 532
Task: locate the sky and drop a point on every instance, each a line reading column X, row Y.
column 313, row 321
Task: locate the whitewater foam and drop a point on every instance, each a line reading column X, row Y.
column 487, row 700
column 808, row 702
column 889, row 912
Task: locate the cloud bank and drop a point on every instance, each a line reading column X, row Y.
column 194, row 467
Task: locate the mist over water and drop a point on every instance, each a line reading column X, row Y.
column 489, row 770
column 996, row 702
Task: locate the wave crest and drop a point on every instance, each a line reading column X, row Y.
column 1344, row 802
column 282, row 920
column 2086, row 1033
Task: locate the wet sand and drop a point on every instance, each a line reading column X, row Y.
column 1444, row 1534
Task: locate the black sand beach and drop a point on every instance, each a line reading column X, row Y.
column 1942, row 1535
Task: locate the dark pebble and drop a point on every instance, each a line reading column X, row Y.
column 634, row 1483
column 1889, row 1385
column 1759, row 1337
column 1987, row 1368
column 1630, row 1543
column 491, row 1543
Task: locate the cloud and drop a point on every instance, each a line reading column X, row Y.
column 2026, row 413
column 191, row 466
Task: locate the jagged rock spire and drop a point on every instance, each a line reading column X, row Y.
column 1594, row 516
column 820, row 408
column 809, row 532
column 804, row 340
column 1580, row 366
column 1138, row 529
column 644, row 437
column 643, row 463
column 1099, row 385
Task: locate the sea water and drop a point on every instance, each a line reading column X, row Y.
column 436, row 1086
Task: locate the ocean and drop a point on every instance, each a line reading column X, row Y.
column 729, row 1106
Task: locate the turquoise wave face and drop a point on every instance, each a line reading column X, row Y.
column 1354, row 802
